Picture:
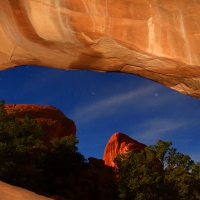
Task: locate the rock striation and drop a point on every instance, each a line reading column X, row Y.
column 51, row 119
column 119, row 143
column 155, row 39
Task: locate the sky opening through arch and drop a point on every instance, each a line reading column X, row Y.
column 101, row 104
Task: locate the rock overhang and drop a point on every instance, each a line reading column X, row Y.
column 157, row 40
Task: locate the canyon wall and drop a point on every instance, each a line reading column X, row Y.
column 156, row 39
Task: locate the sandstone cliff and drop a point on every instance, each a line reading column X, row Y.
column 156, row 39
column 119, row 143
column 52, row 120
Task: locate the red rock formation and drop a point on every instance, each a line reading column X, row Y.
column 52, row 120
column 156, row 39
column 117, row 144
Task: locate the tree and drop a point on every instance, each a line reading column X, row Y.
column 25, row 161
column 18, row 140
column 60, row 161
column 157, row 172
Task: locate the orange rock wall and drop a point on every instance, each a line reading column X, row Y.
column 119, row 143
column 156, row 39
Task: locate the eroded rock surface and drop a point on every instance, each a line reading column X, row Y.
column 155, row 39
column 51, row 119
column 119, row 143
column 9, row 192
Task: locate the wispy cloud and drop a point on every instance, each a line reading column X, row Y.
column 105, row 106
column 152, row 130
column 138, row 100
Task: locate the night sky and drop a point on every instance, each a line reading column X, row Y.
column 101, row 104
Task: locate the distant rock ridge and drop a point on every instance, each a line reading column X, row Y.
column 119, row 143
column 51, row 119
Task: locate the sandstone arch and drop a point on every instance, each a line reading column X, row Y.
column 155, row 39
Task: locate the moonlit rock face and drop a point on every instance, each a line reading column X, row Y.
column 8, row 192
column 52, row 121
column 156, row 39
column 119, row 143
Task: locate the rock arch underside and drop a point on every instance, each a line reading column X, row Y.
column 155, row 39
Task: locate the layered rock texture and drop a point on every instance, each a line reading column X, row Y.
column 119, row 143
column 52, row 120
column 156, row 39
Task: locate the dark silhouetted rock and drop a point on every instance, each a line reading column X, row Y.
column 58, row 197
column 96, row 162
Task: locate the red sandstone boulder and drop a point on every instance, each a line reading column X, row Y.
column 51, row 119
column 119, row 143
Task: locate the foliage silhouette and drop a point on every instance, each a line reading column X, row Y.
column 57, row 168
column 25, row 161
column 158, row 172
column 18, row 140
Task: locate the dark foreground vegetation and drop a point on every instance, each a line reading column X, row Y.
column 158, row 173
